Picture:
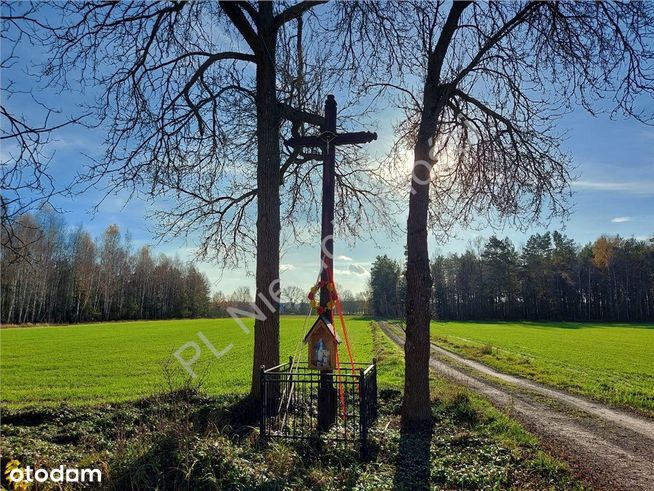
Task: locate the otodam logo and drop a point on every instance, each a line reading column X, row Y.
column 59, row 474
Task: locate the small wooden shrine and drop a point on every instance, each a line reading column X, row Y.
column 323, row 342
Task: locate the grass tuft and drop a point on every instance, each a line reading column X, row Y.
column 462, row 409
column 486, row 349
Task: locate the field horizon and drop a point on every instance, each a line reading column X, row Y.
column 123, row 360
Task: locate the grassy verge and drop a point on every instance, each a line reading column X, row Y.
column 184, row 439
column 614, row 364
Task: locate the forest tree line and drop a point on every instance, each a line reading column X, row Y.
column 293, row 301
column 549, row 278
column 65, row 275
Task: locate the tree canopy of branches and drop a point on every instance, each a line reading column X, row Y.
column 25, row 180
column 65, row 275
column 482, row 85
column 196, row 97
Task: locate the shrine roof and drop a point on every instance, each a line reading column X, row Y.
column 330, row 328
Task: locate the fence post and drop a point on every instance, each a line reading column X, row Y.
column 363, row 415
column 262, row 394
column 288, row 390
column 374, row 392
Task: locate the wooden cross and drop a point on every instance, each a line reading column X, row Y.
column 328, row 140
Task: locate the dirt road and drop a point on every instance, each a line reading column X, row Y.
column 609, row 449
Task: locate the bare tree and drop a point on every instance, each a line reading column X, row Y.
column 482, row 86
column 293, row 295
column 25, row 180
column 195, row 110
column 241, row 297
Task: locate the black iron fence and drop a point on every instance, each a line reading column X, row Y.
column 295, row 400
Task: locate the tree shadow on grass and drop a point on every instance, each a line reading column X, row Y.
column 233, row 415
column 412, row 471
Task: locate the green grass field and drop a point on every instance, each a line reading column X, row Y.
column 189, row 440
column 612, row 363
column 109, row 362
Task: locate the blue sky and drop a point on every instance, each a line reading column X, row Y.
column 614, row 194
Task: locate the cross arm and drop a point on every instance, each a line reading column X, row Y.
column 354, row 138
column 305, row 141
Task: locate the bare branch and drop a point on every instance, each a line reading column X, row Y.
column 235, row 14
column 295, row 11
column 299, row 116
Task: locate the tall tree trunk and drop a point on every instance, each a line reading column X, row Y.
column 416, row 411
column 266, row 331
column 13, row 301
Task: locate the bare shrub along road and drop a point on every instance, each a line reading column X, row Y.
column 608, row 449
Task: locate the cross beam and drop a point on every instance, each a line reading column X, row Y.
column 356, row 137
column 328, row 140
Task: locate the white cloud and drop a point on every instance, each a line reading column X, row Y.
column 286, row 267
column 344, row 258
column 352, row 269
column 357, row 269
column 622, row 219
column 631, row 187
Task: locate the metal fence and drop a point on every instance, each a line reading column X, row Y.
column 292, row 392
